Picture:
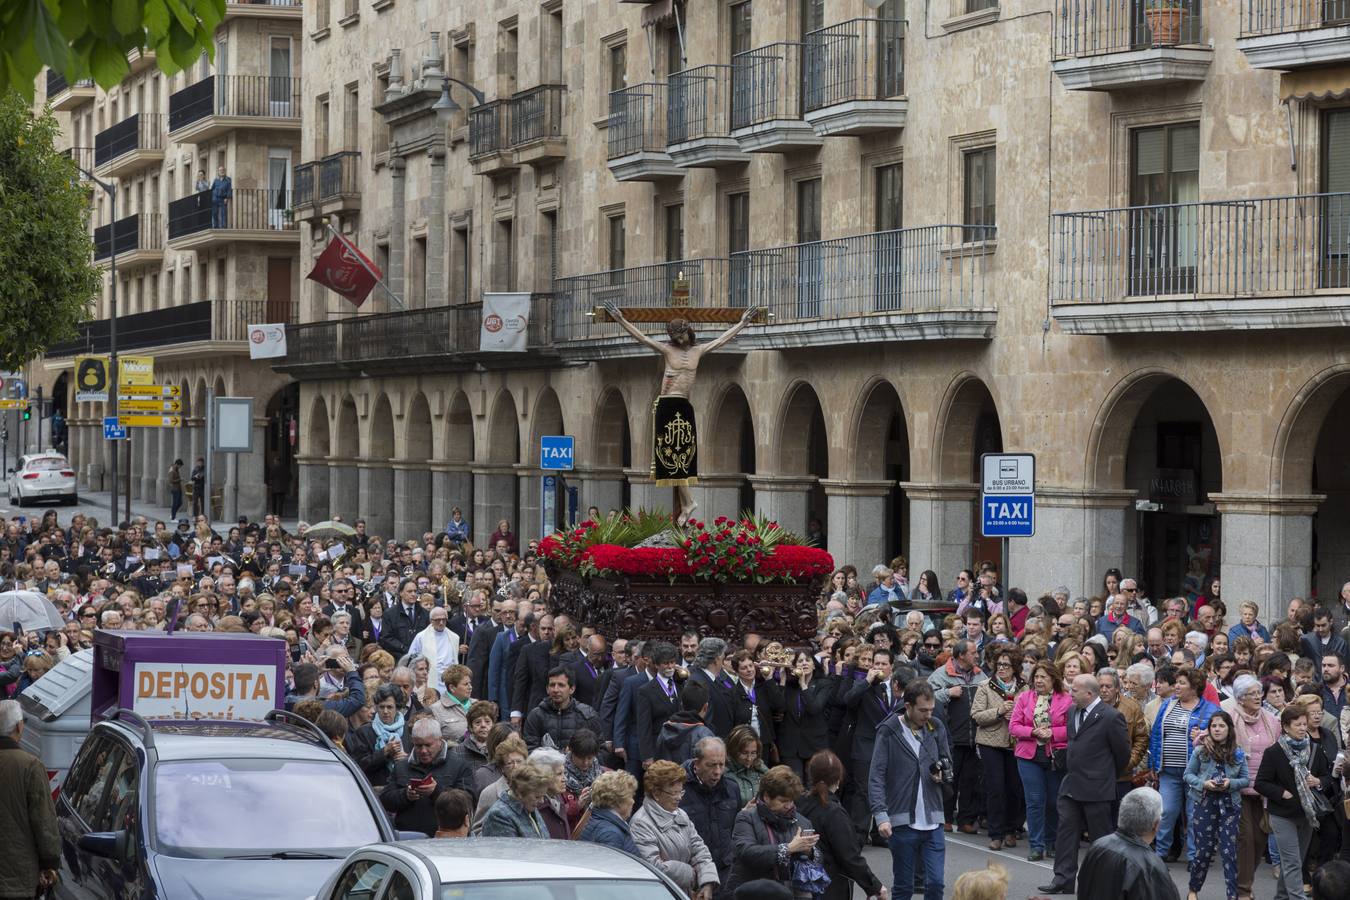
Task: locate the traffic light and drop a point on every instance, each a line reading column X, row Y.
column 28, row 413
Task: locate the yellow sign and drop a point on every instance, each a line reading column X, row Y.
column 13, row 404
column 127, row 404
column 91, row 379
column 149, row 421
column 150, row 390
column 136, row 369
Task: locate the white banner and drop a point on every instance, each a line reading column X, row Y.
column 506, row 321
column 266, row 341
column 166, row 690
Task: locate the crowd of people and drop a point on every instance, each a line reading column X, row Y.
column 1161, row 730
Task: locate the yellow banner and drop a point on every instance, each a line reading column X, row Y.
column 136, row 369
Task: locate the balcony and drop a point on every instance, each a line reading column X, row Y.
column 766, row 100
column 217, row 321
column 139, row 241
column 536, row 121
column 329, row 185
column 698, row 119
column 264, row 9
column 433, row 339
column 219, row 104
column 1294, row 34
column 1129, row 43
column 490, row 138
column 63, row 96
column 257, row 215
column 855, row 77
column 140, row 60
column 637, row 134
column 1227, row 265
column 133, row 144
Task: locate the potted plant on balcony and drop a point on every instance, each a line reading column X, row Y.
column 1164, row 19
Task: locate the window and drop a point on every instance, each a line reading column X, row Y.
column 1164, row 181
column 417, row 274
column 351, row 117
column 617, row 250
column 618, row 67
column 461, row 67
column 88, row 778
column 674, row 216
column 812, row 15
column 977, row 5
column 120, row 806
column 463, row 263
column 1336, row 183
column 361, row 881
column 738, row 241
column 553, row 46
column 889, row 249
column 321, row 126
column 741, row 39
column 979, row 182
column 551, row 237
column 674, row 51
column 379, row 127
column 504, row 256
column 810, row 255
column 888, row 198
column 508, row 55
column 400, row 888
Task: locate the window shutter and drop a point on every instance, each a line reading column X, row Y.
column 1336, row 137
column 1186, row 149
column 1149, row 150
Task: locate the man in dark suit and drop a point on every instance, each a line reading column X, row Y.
column 471, row 617
column 482, row 635
column 587, row 671
column 609, row 685
column 343, row 593
column 531, row 677
column 1099, row 750
column 403, row 621
column 656, row 701
column 625, row 716
column 709, row 670
column 512, row 631
column 869, row 703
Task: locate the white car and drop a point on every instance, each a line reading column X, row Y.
column 496, row 869
column 42, row 476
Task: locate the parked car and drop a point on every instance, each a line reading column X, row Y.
column 496, row 869
column 210, row 809
column 42, row 476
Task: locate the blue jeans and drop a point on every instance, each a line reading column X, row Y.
column 1172, row 786
column 1040, row 785
column 905, row 843
column 218, row 213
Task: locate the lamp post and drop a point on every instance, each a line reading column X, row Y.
column 111, row 191
column 446, row 106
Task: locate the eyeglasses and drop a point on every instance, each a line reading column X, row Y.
column 1130, row 590
column 928, row 646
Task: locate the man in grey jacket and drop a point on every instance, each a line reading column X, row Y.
column 904, row 790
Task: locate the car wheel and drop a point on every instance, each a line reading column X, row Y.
column 74, row 499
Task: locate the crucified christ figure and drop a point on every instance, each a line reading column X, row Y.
column 674, row 439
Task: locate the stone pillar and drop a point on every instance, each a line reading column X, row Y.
column 77, row 451
column 165, row 457
column 494, row 498
column 375, row 492
column 440, row 496
column 131, row 464
column 435, row 287
column 343, row 489
column 314, row 488
column 530, row 489
column 942, row 526
column 1079, row 535
column 784, row 498
column 149, row 459
column 1266, row 549
column 856, row 526
column 398, row 226
column 643, row 492
column 246, row 492
column 602, row 488
column 718, row 495
column 412, row 500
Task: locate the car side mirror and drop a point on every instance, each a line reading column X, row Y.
column 108, row 844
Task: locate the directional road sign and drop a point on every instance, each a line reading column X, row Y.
column 1008, row 495
column 149, row 390
column 556, row 452
column 150, row 421
column 13, row 404
column 128, row 403
column 112, row 430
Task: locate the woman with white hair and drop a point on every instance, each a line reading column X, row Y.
column 1256, row 729
column 551, row 809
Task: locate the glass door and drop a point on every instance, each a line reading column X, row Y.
column 1334, row 239
column 890, row 57
column 222, row 77
column 278, row 186
column 738, row 243
column 279, row 79
column 888, row 252
column 1163, row 214
column 810, row 251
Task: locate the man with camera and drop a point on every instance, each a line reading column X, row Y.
column 306, row 677
column 911, row 769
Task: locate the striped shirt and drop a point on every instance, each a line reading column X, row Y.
column 1176, row 737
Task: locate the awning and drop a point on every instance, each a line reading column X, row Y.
column 661, row 12
column 1316, row 84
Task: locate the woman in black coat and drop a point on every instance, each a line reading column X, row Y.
column 839, row 847
column 770, row 835
column 1291, row 773
column 386, row 739
column 802, row 731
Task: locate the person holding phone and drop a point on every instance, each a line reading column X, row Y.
column 1215, row 776
column 771, row 838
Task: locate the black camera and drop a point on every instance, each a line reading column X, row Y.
column 943, row 767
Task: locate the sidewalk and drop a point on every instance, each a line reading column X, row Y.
column 95, row 503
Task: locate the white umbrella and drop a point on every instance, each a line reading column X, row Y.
column 31, row 610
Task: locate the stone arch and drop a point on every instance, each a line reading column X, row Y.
column 803, row 438
column 547, row 418
column 879, row 508
column 611, row 437
column 318, row 439
column 188, row 397
column 347, row 441
column 968, row 426
column 729, row 446
column 1293, row 457
column 199, row 398
column 380, row 433
column 417, row 429
column 504, row 430
column 879, row 419
column 459, row 442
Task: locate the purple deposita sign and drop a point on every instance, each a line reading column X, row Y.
column 187, row 675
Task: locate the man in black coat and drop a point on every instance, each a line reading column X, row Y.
column 472, row 617
column 869, row 703
column 656, row 701
column 403, row 621
column 482, row 634
column 414, row 808
column 1099, row 751
column 1124, row 866
column 589, row 669
column 530, row 680
column 712, row 801
column 710, row 671
column 609, row 685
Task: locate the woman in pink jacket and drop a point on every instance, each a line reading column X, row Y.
column 1040, row 724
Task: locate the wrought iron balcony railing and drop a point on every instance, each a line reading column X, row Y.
column 766, row 84
column 336, row 175
column 204, row 320
column 141, row 231
column 1283, row 16
column 246, row 96
column 699, row 104
column 1224, row 249
column 248, row 209
column 489, row 128
column 637, row 119
column 138, row 131
column 537, row 114
column 1090, row 28
column 57, row 83
column 861, row 59
column 576, row 297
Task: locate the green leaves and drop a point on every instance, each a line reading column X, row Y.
column 91, row 38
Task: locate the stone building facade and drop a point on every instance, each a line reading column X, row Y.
column 1111, row 238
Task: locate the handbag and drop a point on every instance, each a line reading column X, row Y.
column 1059, row 760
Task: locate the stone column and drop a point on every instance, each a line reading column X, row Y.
column 718, row 495
column 314, row 488
column 643, row 492
column 412, row 499
column 601, row 488
column 942, row 526
column 440, row 497
column 166, row 458
column 1079, row 535
column 494, row 498
column 856, row 525
column 398, row 226
column 1266, row 548
column 343, row 489
column 77, row 451
column 375, row 491
column 435, row 287
column 149, row 458
column 130, row 462
column 529, row 490
column 784, row 498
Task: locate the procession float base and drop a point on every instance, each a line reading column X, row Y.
column 657, row 608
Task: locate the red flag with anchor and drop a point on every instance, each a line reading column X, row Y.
column 344, row 269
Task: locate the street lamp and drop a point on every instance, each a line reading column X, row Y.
column 111, row 191
column 446, row 106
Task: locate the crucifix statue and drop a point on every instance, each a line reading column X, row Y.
column 674, row 438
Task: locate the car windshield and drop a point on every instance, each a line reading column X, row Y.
column 46, row 464
column 228, row 807
column 579, row 889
